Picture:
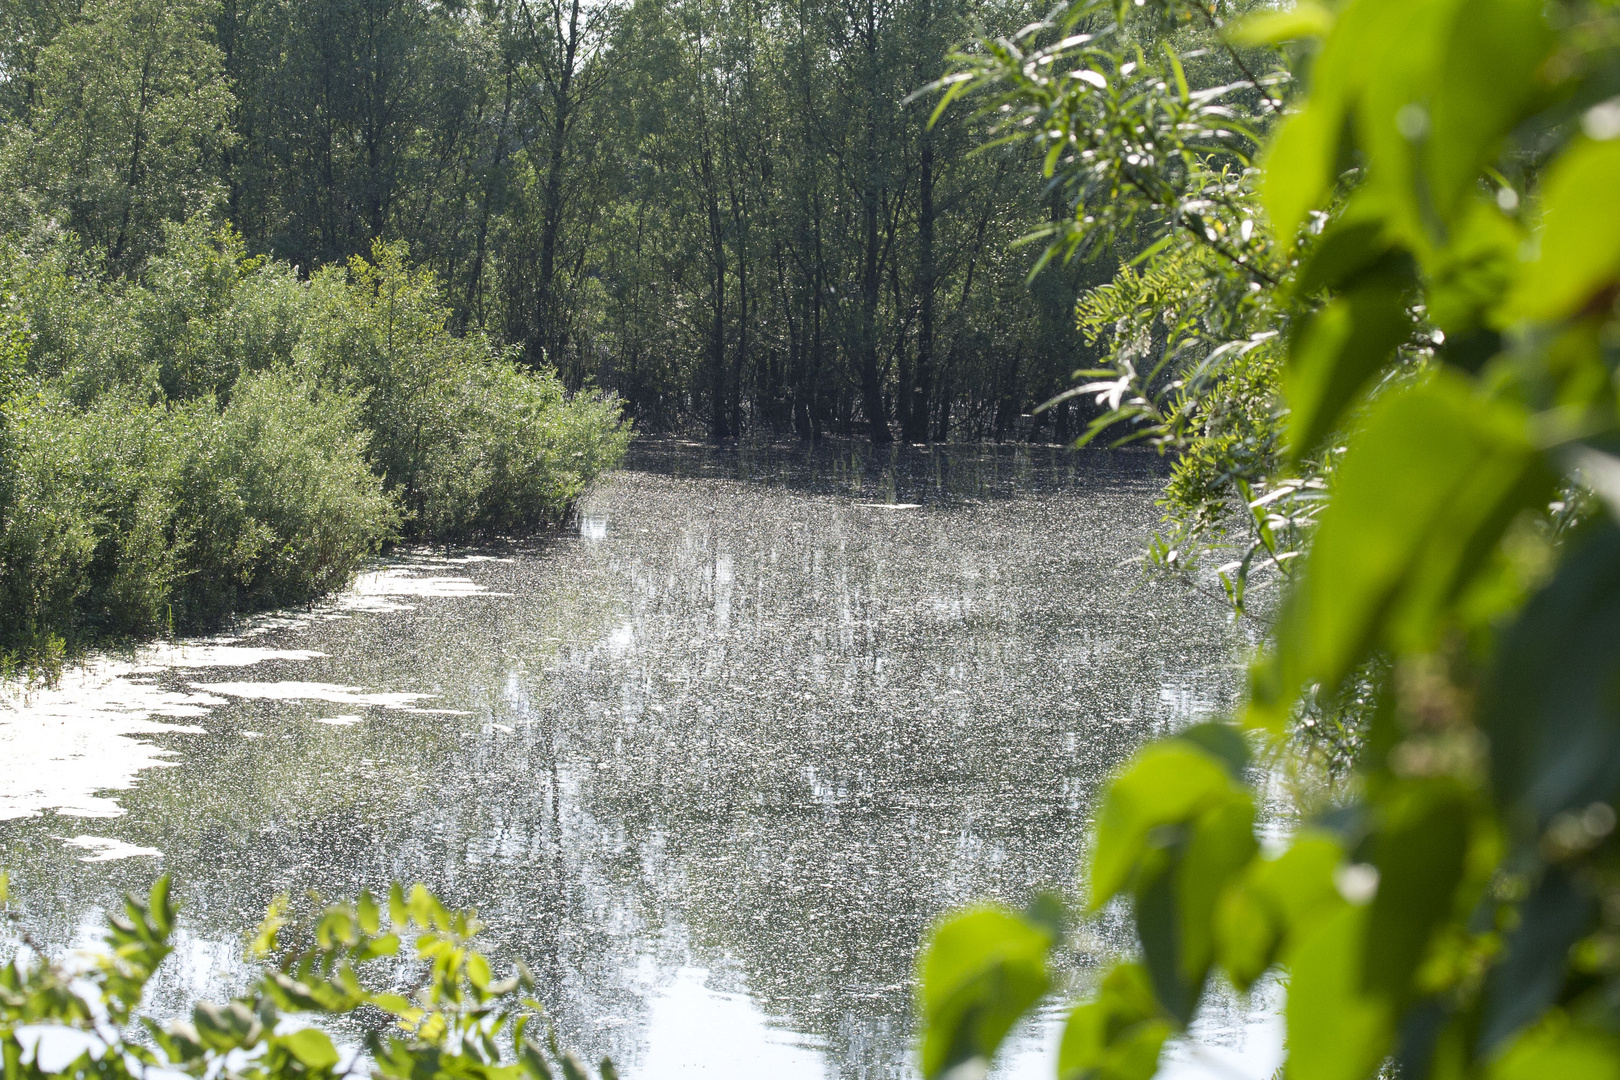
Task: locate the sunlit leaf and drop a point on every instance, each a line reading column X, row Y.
column 1398, row 541
column 1579, row 252
column 1487, row 80
column 1335, row 1031
column 311, row 1047
column 1306, row 19
column 1557, row 1048
column 1342, row 347
column 1119, row 1034
column 980, row 971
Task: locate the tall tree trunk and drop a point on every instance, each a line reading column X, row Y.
column 871, row 389
column 548, row 319
column 921, row 388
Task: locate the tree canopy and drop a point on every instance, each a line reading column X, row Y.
column 1374, row 318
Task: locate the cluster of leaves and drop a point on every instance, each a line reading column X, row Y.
column 459, row 1023
column 1443, row 214
column 1148, row 119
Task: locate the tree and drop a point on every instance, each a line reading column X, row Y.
column 116, row 147
column 1428, row 467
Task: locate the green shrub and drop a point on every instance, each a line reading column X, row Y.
column 129, row 517
column 470, row 442
column 275, row 501
column 447, row 1029
column 219, row 436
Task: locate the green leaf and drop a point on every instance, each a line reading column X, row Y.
column 1580, row 234
column 1302, row 162
column 1224, row 742
column 1355, row 241
column 311, row 1047
column 1552, row 714
column 1339, row 349
column 980, row 972
column 1420, row 849
column 368, row 912
column 1557, row 1048
column 1487, row 83
column 1468, row 277
column 1221, row 845
column 1119, row 1035
column 1305, row 19
column 1530, row 976
column 1298, row 168
column 1167, row 783
column 398, row 913
column 1275, row 902
column 1423, row 494
column 1335, row 1032
column 1174, row 827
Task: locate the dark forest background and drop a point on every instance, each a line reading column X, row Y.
column 724, row 211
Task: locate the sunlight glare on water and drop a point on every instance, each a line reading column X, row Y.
column 711, row 761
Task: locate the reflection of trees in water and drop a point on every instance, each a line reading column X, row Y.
column 769, row 733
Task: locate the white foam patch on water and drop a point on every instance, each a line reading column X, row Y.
column 106, row 849
column 378, row 590
column 164, row 655
column 64, row 744
column 891, row 506
column 310, row 691
column 400, row 581
column 346, row 720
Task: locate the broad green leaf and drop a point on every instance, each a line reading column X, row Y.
column 1580, row 234
column 1558, row 1050
column 1302, row 163
column 1277, row 901
column 1167, row 783
column 311, row 1047
column 1420, row 849
column 1246, row 935
column 1225, row 742
column 1530, row 975
column 1391, row 118
column 1552, row 714
column 1426, row 489
column 1221, row 844
column 1487, row 81
column 1117, row 1036
column 1299, row 168
column 1335, row 1032
column 1337, row 352
column 1468, row 276
column 980, row 972
column 369, row 914
column 1306, row 19
column 1356, row 241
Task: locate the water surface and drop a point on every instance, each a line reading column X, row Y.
column 711, row 762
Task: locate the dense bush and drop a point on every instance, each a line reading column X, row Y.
column 469, row 441
column 219, row 436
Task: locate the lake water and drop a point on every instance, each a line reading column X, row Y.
column 711, row 761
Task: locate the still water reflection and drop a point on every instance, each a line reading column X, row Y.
column 711, row 765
